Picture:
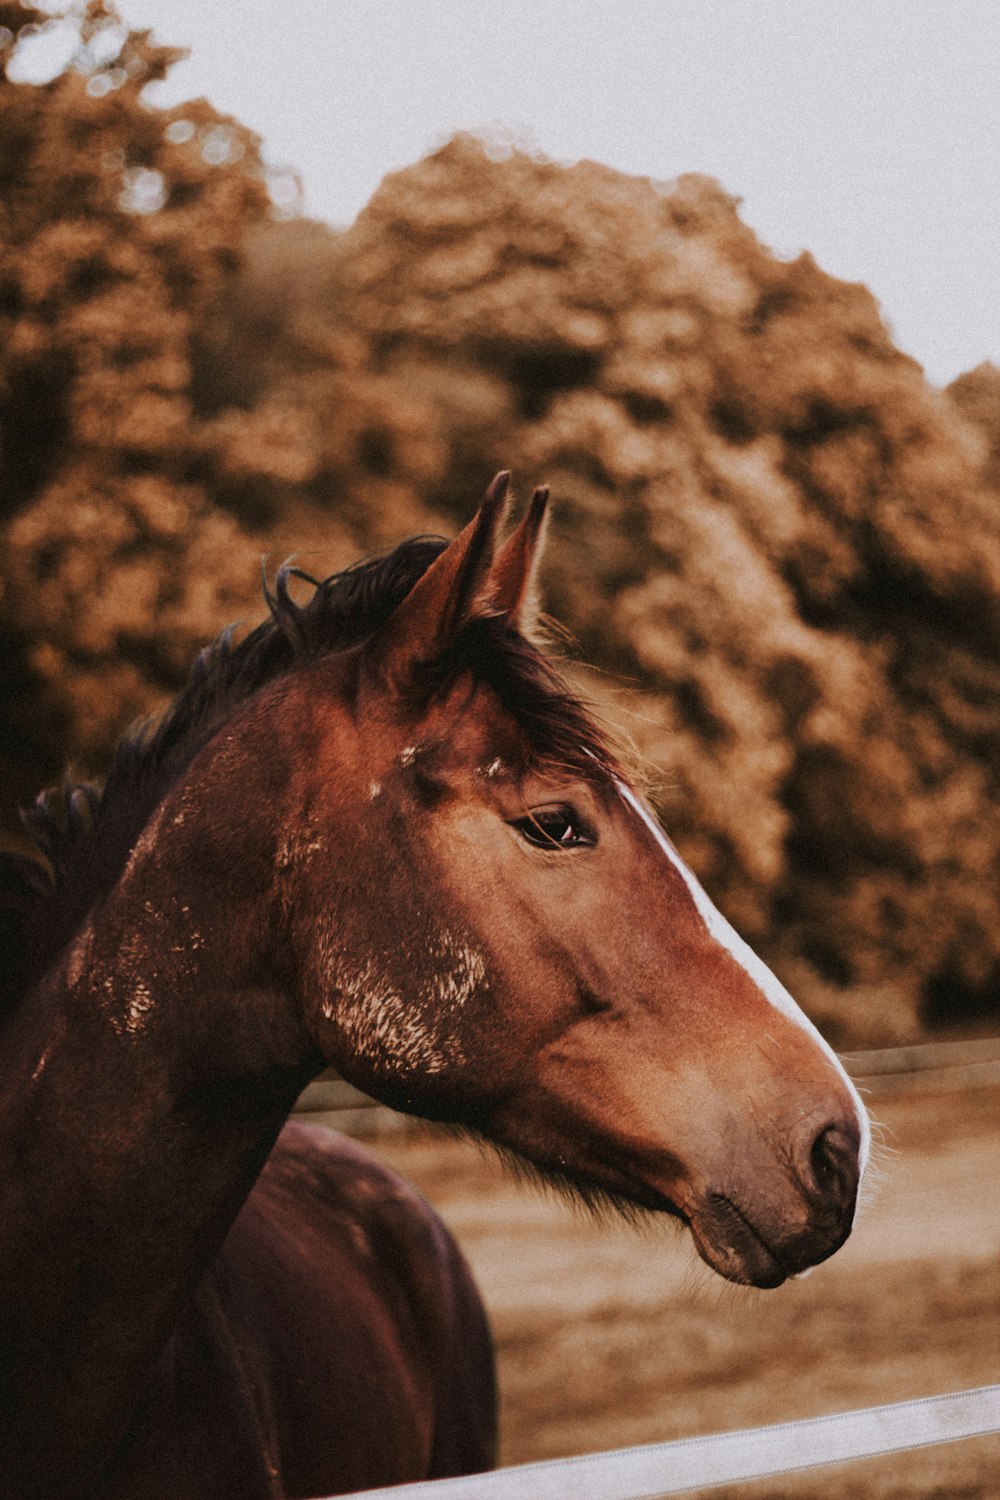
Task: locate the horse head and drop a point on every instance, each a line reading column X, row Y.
column 492, row 929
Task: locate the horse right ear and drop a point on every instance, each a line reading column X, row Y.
column 454, row 590
column 513, row 576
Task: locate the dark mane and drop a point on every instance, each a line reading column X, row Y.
column 85, row 834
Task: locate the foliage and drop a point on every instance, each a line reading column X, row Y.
column 120, row 225
column 766, row 520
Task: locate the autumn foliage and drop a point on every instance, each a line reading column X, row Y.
column 775, row 545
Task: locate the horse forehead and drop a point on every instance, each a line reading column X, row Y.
column 467, row 729
column 465, row 719
column 329, row 736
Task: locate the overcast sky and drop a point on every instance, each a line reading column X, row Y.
column 867, row 131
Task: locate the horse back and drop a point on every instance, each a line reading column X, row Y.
column 338, row 1341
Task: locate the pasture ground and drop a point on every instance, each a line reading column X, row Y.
column 609, row 1336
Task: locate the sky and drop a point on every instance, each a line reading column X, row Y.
column 866, row 131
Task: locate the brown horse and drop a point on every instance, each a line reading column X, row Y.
column 379, row 833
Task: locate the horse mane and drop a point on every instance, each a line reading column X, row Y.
column 84, row 832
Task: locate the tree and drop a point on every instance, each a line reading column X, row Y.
column 766, row 519
column 120, row 225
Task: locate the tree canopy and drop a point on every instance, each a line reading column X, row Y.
column 775, row 544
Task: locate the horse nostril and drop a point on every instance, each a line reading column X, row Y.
column 834, row 1165
column 823, row 1159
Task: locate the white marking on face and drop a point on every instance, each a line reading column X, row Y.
column 412, row 1033
column 465, row 971
column 295, row 847
column 493, row 769
column 384, row 1027
column 374, row 791
column 140, row 1003
column 408, row 755
column 767, row 982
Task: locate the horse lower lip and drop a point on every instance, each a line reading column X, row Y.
column 732, row 1245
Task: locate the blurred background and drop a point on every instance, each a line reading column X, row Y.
column 304, row 292
column 776, row 538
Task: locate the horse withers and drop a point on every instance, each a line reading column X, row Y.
column 379, row 833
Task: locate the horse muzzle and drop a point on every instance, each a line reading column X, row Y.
column 761, row 1237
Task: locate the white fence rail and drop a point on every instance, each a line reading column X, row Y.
column 662, row 1469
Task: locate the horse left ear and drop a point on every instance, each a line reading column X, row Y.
column 470, row 577
column 454, row 590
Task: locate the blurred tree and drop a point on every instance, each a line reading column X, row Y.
column 766, row 519
column 977, row 396
column 119, row 226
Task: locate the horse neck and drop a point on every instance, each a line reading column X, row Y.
column 147, row 1077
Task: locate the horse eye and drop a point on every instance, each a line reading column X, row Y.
column 554, row 828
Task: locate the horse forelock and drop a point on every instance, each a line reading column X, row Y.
column 85, row 833
column 558, row 731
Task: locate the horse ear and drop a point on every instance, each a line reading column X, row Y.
column 455, row 588
column 513, row 576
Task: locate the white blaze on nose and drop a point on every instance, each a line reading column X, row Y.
column 769, row 984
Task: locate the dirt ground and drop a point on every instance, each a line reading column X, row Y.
column 608, row 1336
